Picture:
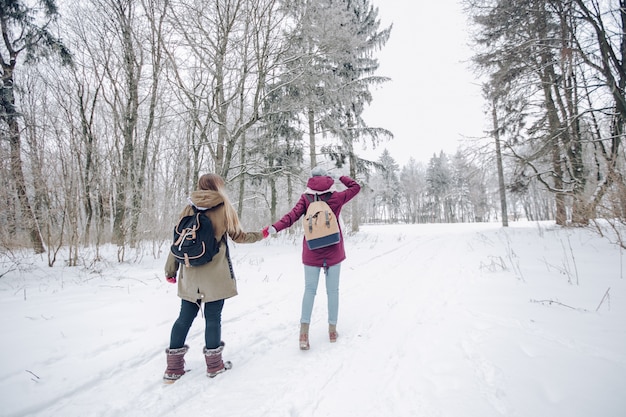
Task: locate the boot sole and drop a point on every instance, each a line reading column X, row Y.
column 170, row 381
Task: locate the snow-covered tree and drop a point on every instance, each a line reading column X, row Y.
column 413, row 191
column 26, row 37
column 439, row 180
column 386, row 198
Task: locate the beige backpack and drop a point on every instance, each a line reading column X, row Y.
column 321, row 228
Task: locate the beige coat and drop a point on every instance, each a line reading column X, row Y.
column 215, row 280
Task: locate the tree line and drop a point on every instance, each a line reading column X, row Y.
column 111, row 109
column 554, row 76
column 462, row 187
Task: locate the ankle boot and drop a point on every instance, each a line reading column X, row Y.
column 214, row 363
column 304, row 336
column 175, row 364
column 332, row 333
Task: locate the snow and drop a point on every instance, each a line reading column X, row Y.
column 442, row 320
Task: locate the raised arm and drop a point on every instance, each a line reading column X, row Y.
column 352, row 188
column 290, row 218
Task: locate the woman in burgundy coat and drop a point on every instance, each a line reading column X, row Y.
column 328, row 258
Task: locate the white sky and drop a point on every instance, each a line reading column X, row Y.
column 433, row 99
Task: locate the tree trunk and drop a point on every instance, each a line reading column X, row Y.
column 555, row 137
column 129, row 173
column 20, row 186
column 242, row 176
column 156, row 53
column 569, row 109
column 273, row 198
column 501, row 187
column 354, row 207
column 312, row 151
column 7, row 102
column 88, row 172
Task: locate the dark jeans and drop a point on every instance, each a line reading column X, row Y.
column 213, row 323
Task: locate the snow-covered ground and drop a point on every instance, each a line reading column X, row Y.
column 455, row 320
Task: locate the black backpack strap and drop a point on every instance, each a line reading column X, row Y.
column 318, row 197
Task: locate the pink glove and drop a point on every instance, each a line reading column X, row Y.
column 171, row 280
column 268, row 230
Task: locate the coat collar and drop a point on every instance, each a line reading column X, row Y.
column 205, row 199
column 332, row 189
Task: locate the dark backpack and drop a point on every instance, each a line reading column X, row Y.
column 194, row 240
column 321, row 228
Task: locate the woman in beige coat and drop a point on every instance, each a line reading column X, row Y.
column 210, row 283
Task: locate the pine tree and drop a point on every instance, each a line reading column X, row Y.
column 333, row 68
column 439, row 180
column 561, row 65
column 388, row 193
column 355, row 74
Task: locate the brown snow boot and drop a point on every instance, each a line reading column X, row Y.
column 214, row 363
column 304, row 336
column 332, row 333
column 175, row 364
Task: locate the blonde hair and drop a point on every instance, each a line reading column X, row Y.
column 216, row 183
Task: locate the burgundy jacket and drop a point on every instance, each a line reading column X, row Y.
column 330, row 255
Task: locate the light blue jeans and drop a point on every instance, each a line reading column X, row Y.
column 311, row 280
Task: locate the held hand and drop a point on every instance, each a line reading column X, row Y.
column 171, row 280
column 268, row 230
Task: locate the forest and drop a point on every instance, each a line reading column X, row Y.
column 110, row 110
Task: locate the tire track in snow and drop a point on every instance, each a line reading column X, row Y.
column 381, row 340
column 425, row 308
